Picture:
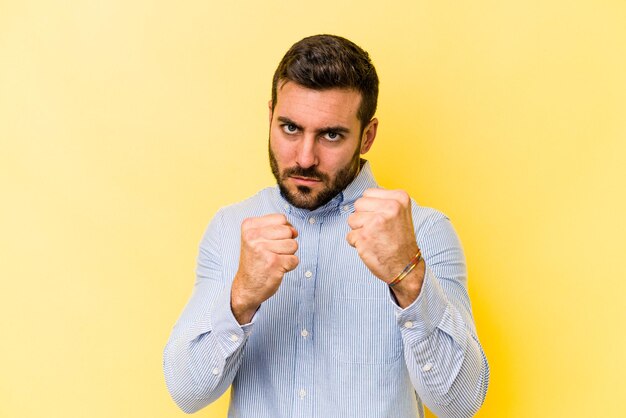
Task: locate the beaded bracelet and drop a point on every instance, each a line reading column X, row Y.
column 409, row 267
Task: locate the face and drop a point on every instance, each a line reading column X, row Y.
column 316, row 142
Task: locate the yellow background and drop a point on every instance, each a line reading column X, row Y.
column 125, row 125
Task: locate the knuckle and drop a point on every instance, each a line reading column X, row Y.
column 272, row 261
column 281, row 232
column 278, row 218
column 378, row 220
column 257, row 247
column 250, row 234
column 394, row 207
column 247, row 223
column 403, row 197
column 292, row 262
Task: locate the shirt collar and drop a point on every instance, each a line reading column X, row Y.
column 344, row 200
column 364, row 180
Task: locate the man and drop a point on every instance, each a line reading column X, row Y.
column 327, row 296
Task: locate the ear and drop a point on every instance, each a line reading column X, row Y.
column 269, row 106
column 369, row 134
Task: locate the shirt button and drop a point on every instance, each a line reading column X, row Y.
column 215, row 371
column 234, row 338
column 408, row 324
column 346, row 208
column 426, row 367
column 286, row 206
column 311, row 220
column 308, row 274
column 302, row 393
column 304, row 333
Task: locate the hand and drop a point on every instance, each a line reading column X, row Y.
column 268, row 246
column 383, row 234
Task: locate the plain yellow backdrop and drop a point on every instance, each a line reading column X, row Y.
column 124, row 126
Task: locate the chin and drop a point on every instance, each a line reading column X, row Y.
column 301, row 197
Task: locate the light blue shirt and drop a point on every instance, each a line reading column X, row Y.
column 331, row 342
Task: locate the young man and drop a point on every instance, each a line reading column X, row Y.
column 327, row 296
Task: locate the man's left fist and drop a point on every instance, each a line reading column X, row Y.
column 382, row 231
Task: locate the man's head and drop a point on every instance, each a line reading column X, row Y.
column 323, row 62
column 324, row 95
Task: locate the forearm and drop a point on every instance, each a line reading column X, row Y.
column 453, row 384
column 446, row 363
column 196, row 373
column 466, row 393
column 201, row 360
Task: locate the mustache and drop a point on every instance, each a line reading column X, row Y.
column 310, row 173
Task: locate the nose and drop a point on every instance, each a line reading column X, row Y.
column 307, row 154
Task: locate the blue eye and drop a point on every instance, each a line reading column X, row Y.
column 290, row 128
column 332, row 136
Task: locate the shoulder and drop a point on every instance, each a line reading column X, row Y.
column 435, row 234
column 429, row 222
column 263, row 202
column 227, row 220
column 426, row 217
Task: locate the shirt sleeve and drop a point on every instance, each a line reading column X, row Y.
column 446, row 363
column 205, row 348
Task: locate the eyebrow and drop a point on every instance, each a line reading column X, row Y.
column 326, row 129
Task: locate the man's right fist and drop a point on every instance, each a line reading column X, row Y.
column 268, row 246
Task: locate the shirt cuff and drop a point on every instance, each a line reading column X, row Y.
column 418, row 320
column 229, row 334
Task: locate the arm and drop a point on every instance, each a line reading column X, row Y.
column 205, row 347
column 446, row 364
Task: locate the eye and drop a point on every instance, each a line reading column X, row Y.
column 290, row 128
column 332, row 136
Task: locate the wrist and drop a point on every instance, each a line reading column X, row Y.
column 243, row 313
column 243, row 309
column 407, row 290
column 407, row 269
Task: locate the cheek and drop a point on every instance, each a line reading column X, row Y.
column 284, row 153
column 336, row 161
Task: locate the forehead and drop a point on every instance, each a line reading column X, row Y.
column 317, row 107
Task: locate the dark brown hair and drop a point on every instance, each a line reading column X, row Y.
column 323, row 62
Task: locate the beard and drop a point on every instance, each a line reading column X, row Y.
column 304, row 197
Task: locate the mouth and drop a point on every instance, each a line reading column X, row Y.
column 305, row 181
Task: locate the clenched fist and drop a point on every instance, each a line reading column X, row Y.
column 383, row 234
column 268, row 246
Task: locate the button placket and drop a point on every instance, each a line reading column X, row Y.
column 309, row 228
